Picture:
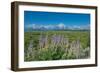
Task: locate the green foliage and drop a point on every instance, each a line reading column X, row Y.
column 54, row 53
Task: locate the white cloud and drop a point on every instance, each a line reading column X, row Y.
column 61, row 25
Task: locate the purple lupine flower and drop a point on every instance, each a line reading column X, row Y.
column 43, row 41
column 30, row 48
column 75, row 47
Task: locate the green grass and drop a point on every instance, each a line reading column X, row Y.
column 54, row 53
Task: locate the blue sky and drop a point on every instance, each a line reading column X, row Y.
column 36, row 19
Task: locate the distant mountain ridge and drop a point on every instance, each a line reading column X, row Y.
column 60, row 26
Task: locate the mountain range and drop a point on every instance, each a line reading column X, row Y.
column 60, row 26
